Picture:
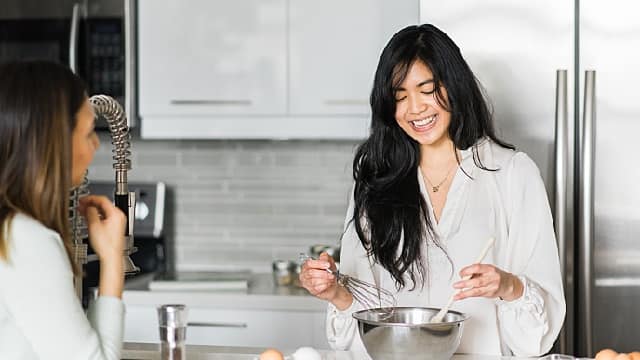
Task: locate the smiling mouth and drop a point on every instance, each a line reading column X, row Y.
column 424, row 124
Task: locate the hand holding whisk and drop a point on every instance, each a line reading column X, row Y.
column 366, row 294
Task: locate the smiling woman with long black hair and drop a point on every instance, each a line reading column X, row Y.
column 432, row 183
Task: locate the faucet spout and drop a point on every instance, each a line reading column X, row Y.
column 112, row 112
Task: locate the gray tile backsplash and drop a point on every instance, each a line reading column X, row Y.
column 242, row 204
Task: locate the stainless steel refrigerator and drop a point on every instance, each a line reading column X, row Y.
column 533, row 58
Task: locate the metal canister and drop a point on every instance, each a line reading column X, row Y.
column 283, row 272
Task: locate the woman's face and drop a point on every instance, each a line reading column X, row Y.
column 417, row 110
column 85, row 142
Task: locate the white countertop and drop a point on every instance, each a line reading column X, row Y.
column 261, row 293
column 143, row 351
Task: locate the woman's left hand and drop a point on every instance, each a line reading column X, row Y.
column 488, row 281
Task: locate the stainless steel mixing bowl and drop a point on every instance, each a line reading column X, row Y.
column 408, row 333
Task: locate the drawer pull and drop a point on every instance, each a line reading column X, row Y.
column 346, row 102
column 213, row 102
column 217, row 324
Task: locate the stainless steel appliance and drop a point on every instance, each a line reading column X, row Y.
column 581, row 133
column 95, row 38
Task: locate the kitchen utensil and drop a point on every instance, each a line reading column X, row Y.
column 440, row 315
column 409, row 334
column 368, row 295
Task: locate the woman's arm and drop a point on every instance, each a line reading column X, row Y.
column 530, row 324
column 37, row 290
column 106, row 234
column 341, row 327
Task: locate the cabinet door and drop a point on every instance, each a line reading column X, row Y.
column 256, row 328
column 212, row 57
column 334, row 50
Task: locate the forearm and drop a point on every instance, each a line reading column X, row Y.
column 341, row 327
column 530, row 324
column 111, row 277
column 343, row 299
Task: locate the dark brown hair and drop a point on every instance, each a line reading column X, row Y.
column 38, row 104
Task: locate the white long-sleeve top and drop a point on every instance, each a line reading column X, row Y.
column 40, row 314
column 510, row 205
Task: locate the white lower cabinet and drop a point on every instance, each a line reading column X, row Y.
column 286, row 330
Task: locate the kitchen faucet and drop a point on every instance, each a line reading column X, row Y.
column 112, row 112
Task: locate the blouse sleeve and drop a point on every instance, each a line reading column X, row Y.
column 529, row 325
column 341, row 327
column 37, row 290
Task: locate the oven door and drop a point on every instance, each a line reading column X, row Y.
column 36, row 30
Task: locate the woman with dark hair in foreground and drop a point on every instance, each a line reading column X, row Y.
column 47, row 141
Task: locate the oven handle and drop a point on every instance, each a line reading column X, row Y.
column 130, row 75
column 73, row 38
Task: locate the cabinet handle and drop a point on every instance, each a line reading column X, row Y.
column 347, row 102
column 213, row 102
column 217, row 324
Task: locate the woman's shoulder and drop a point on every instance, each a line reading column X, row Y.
column 506, row 161
column 32, row 244
column 28, row 229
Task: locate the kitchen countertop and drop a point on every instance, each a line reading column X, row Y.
column 261, row 293
column 144, row 351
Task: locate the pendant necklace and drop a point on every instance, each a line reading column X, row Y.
column 436, row 188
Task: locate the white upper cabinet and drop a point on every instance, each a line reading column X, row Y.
column 276, row 69
column 204, row 57
column 334, row 46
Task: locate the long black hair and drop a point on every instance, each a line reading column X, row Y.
column 388, row 205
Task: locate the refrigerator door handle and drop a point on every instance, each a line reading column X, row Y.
column 585, row 201
column 561, row 210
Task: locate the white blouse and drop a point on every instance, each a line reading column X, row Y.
column 40, row 314
column 510, row 205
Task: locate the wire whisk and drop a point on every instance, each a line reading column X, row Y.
column 370, row 296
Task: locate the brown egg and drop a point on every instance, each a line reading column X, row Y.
column 606, row 354
column 271, row 354
column 622, row 357
column 635, row 355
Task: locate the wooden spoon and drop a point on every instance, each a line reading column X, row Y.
column 437, row 318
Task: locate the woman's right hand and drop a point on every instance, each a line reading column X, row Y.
column 320, row 283
column 106, row 226
column 106, row 235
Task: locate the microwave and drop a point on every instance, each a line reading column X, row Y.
column 94, row 38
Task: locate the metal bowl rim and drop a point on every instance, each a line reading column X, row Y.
column 462, row 315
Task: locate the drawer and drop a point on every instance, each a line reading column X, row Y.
column 235, row 327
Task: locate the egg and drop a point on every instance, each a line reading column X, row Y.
column 606, row 354
column 271, row 354
column 622, row 357
column 635, row 355
column 306, row 353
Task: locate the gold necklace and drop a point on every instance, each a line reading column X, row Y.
column 435, row 188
